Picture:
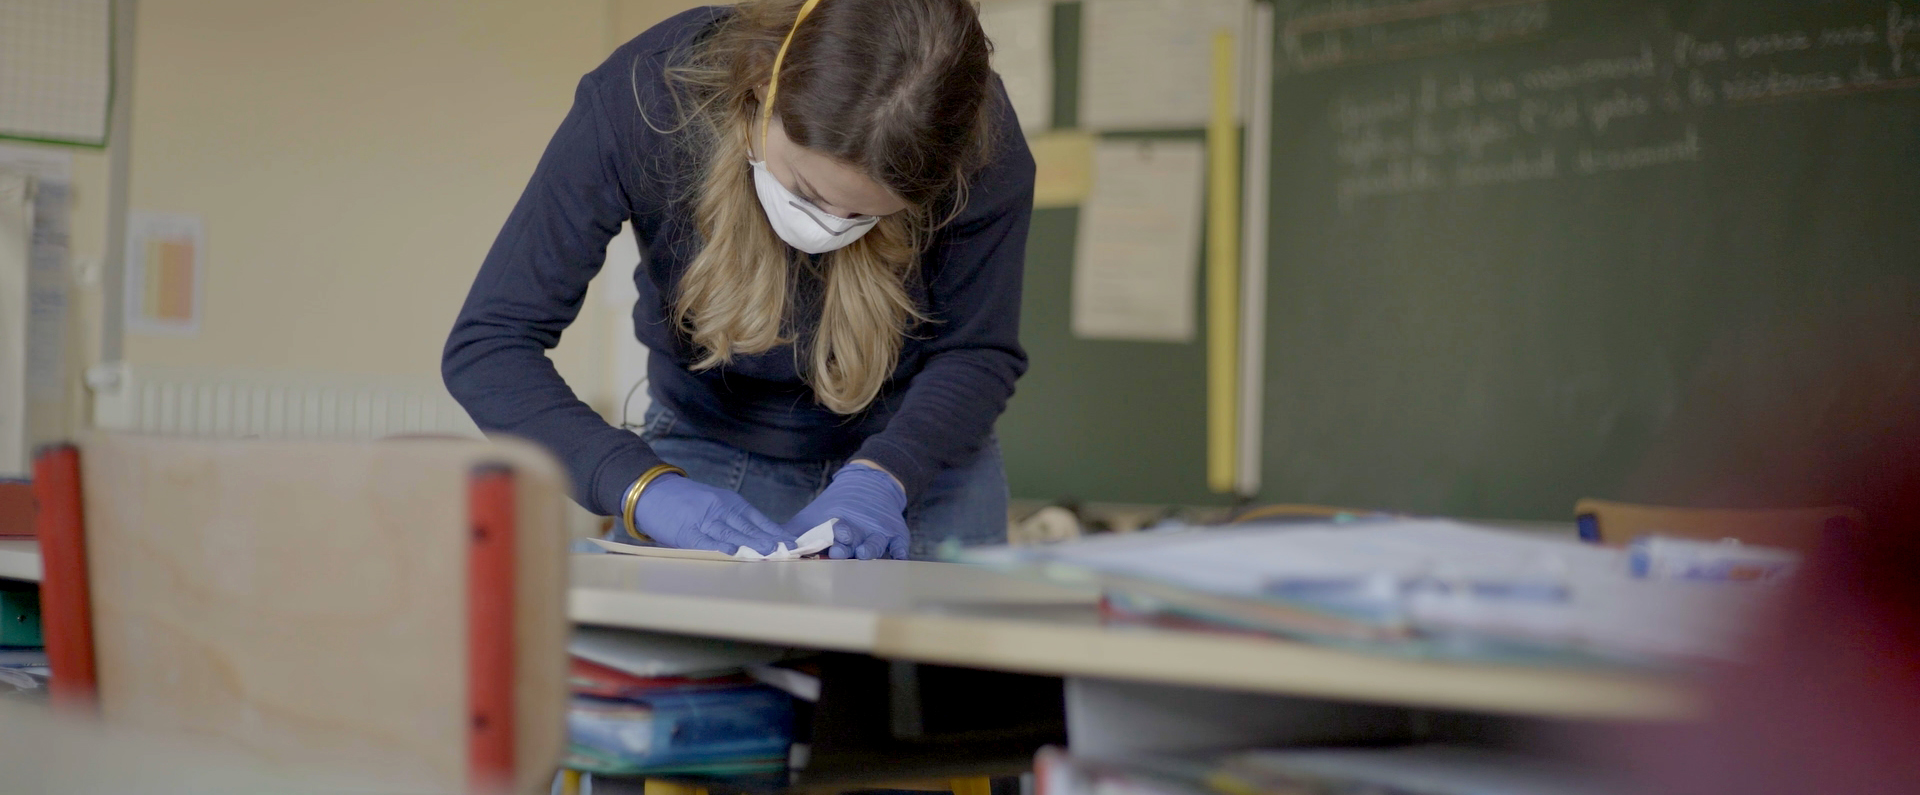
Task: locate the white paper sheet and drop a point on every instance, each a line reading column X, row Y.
column 1138, row 250
column 812, row 542
column 651, row 654
column 1457, row 770
column 33, row 304
column 42, row 162
column 16, row 230
column 1148, row 64
column 47, row 295
column 166, row 273
column 1022, row 36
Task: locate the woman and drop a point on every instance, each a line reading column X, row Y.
column 831, row 198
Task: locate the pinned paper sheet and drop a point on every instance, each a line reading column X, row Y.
column 1138, row 249
column 1146, row 63
column 812, row 542
column 1022, row 36
column 166, row 273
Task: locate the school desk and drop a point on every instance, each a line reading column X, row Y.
column 1125, row 687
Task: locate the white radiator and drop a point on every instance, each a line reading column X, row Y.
column 172, row 401
column 221, row 403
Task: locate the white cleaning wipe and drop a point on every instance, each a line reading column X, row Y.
column 809, row 543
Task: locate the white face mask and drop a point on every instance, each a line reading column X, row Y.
column 799, row 222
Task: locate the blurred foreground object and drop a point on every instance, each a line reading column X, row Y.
column 49, row 752
column 392, row 611
column 1830, row 700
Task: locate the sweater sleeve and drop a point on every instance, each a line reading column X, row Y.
column 529, row 289
column 976, row 266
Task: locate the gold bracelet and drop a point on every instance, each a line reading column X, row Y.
column 633, row 494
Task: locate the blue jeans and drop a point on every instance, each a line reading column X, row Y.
column 966, row 504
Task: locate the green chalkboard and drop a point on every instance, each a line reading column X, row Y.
column 1525, row 251
column 1522, row 252
column 1096, row 419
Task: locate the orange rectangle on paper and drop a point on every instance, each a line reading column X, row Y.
column 176, row 281
column 168, row 293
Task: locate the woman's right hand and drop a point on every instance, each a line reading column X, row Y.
column 678, row 512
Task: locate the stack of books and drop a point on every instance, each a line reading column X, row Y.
column 654, row 705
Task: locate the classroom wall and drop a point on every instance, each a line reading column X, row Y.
column 630, row 18
column 353, row 161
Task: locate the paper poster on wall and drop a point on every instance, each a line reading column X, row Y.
column 45, row 163
column 47, row 296
column 166, row 273
column 1137, row 253
column 1022, row 36
column 1147, row 64
column 1063, row 168
column 16, row 234
column 56, row 70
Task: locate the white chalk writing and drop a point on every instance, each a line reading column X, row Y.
column 1684, row 150
column 1340, row 34
column 1637, row 105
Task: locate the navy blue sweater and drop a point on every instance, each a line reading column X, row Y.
column 610, row 163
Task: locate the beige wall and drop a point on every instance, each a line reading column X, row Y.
column 353, row 160
column 629, row 18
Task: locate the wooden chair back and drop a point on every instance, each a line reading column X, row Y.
column 396, row 607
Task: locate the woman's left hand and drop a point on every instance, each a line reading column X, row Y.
column 871, row 507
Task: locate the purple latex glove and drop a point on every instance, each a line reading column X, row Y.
column 680, row 513
column 872, row 509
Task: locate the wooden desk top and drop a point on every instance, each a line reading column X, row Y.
column 824, row 604
column 962, row 615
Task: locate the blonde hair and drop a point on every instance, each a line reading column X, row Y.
column 735, row 296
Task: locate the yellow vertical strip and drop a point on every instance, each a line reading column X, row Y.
column 1223, row 269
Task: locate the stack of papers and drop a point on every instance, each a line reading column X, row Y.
column 1432, row 587
column 1404, row 770
column 1425, row 769
column 809, row 544
column 657, row 654
column 23, row 671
